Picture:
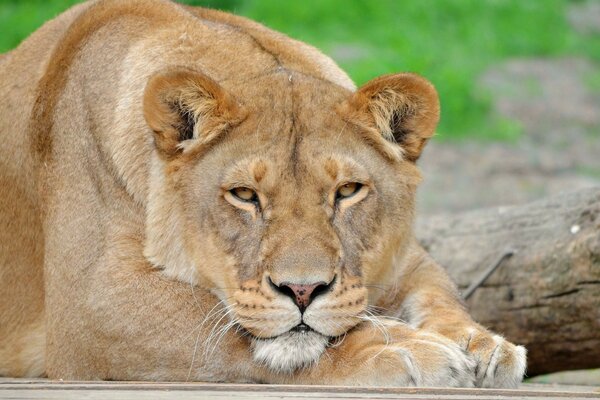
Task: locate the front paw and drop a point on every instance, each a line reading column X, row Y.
column 420, row 359
column 499, row 363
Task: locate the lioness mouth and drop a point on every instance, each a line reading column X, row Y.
column 302, row 328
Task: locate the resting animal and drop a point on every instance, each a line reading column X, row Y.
column 188, row 195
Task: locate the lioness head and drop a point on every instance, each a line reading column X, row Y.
column 289, row 197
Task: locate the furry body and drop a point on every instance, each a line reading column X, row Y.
column 125, row 126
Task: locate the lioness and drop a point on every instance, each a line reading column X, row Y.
column 188, row 195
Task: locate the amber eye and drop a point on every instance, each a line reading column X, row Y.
column 347, row 190
column 245, row 194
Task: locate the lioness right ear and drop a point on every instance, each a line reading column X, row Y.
column 404, row 108
column 183, row 105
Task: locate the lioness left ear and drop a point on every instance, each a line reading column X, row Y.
column 404, row 108
column 182, row 104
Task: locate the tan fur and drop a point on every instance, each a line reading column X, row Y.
column 124, row 255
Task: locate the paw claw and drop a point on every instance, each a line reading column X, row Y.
column 440, row 362
column 500, row 364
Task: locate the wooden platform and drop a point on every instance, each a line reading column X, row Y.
column 45, row 389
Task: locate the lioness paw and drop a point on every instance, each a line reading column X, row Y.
column 499, row 363
column 425, row 360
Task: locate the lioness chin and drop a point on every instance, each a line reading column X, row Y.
column 188, row 195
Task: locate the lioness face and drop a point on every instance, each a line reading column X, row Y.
column 293, row 214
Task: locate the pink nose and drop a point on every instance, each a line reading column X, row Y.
column 302, row 294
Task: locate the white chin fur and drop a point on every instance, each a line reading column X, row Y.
column 289, row 351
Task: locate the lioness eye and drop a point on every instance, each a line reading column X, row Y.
column 347, row 190
column 245, row 194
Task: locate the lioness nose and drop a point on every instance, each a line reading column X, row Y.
column 303, row 295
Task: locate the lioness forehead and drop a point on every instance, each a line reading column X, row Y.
column 293, row 131
column 283, row 99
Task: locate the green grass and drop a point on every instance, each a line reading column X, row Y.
column 451, row 42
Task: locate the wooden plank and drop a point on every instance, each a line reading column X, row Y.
column 46, row 389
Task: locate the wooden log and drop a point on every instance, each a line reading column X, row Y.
column 545, row 296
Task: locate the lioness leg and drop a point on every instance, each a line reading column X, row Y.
column 22, row 335
column 427, row 299
column 388, row 353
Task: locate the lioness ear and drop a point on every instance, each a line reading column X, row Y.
column 182, row 105
column 404, row 108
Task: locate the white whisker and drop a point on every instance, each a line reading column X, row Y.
column 213, row 313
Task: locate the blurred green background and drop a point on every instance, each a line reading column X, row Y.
column 451, row 42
